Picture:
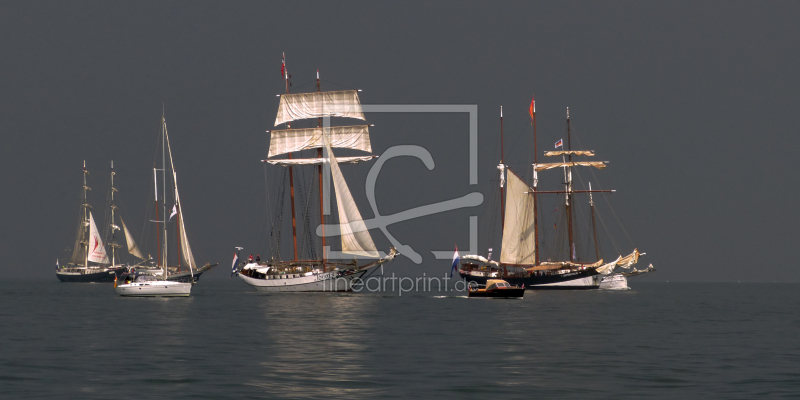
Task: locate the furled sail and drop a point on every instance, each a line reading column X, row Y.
column 97, row 252
column 79, row 251
column 345, row 137
column 133, row 249
column 316, row 161
column 519, row 236
column 546, row 166
column 355, row 236
column 588, row 153
column 343, row 103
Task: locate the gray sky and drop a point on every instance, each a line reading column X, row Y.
column 694, row 105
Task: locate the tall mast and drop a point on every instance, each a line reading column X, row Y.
column 164, row 187
column 594, row 226
column 502, row 174
column 535, row 184
column 113, row 244
column 155, row 191
column 569, row 193
column 85, row 240
column 291, row 173
column 321, row 208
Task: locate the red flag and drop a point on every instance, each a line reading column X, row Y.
column 283, row 66
column 532, row 109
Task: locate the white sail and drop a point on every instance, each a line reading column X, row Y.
column 133, row 249
column 316, row 161
column 589, row 153
column 344, row 137
column 519, row 236
column 343, row 103
column 355, row 237
column 186, row 251
column 97, row 252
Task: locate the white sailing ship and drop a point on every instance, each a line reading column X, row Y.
column 144, row 282
column 319, row 274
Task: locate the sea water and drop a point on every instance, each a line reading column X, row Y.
column 658, row 340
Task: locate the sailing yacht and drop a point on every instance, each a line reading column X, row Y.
column 319, row 274
column 520, row 262
column 146, row 282
column 89, row 261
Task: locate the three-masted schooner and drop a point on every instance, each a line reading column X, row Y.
column 315, row 275
column 89, row 261
column 520, row 262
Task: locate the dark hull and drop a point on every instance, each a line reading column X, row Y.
column 575, row 280
column 514, row 293
column 94, row 277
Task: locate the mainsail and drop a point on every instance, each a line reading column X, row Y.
column 79, row 250
column 519, row 237
column 133, row 249
column 355, row 237
column 343, row 103
column 97, row 252
column 345, row 137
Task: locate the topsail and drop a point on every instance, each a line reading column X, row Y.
column 344, row 103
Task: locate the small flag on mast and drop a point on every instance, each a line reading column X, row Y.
column 532, row 109
column 560, row 143
column 174, row 211
column 283, row 66
column 234, row 267
column 456, row 260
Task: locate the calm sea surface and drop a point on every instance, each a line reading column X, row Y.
column 659, row 340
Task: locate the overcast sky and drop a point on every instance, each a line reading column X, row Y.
column 693, row 103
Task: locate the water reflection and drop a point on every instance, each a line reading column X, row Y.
column 316, row 344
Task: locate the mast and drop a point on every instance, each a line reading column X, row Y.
column 535, row 184
column 164, row 183
column 569, row 193
column 321, row 207
column 113, row 243
column 85, row 240
column 155, row 191
column 594, row 226
column 291, row 173
column 502, row 174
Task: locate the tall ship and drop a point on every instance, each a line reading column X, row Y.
column 89, row 261
column 317, row 271
column 521, row 259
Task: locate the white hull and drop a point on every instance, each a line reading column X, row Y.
column 614, row 282
column 155, row 288
column 309, row 282
column 588, row 281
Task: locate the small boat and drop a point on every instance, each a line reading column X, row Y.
column 497, row 288
column 144, row 281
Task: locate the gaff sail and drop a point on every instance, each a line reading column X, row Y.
column 519, row 236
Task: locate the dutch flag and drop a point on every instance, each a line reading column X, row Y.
column 560, row 143
column 235, row 265
column 456, row 260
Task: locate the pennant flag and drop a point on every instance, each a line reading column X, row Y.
column 532, row 109
column 560, row 143
column 456, row 261
column 283, row 66
column 174, row 211
column 234, row 267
